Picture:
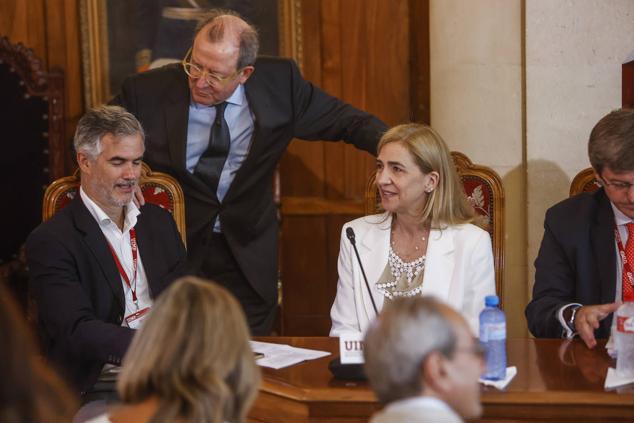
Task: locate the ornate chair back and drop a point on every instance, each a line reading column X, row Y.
column 158, row 188
column 584, row 181
column 484, row 191
column 32, row 122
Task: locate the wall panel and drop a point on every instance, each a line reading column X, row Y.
column 353, row 50
column 25, row 22
column 51, row 29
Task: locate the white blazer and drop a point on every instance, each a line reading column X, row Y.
column 458, row 271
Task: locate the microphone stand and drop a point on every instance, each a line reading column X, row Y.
column 351, row 236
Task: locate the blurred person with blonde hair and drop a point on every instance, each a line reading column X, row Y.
column 424, row 243
column 30, row 391
column 191, row 361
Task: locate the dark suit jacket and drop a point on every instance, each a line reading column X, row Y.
column 78, row 290
column 285, row 106
column 576, row 262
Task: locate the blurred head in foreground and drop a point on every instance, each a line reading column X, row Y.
column 192, row 356
column 30, row 391
column 419, row 347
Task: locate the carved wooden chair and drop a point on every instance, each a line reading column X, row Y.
column 584, row 181
column 33, row 151
column 158, row 188
column 484, row 191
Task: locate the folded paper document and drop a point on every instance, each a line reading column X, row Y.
column 278, row 356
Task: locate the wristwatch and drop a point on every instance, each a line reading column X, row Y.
column 573, row 315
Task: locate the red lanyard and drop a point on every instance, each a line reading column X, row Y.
column 627, row 269
column 122, row 272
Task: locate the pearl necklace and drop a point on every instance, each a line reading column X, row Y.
column 399, row 267
column 411, row 269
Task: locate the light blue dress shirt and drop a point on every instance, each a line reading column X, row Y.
column 241, row 124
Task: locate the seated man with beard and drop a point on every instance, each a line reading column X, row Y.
column 97, row 265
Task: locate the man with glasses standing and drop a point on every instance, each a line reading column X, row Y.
column 584, row 267
column 219, row 122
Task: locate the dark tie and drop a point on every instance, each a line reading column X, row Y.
column 210, row 164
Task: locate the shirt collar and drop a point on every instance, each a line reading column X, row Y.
column 237, row 98
column 421, row 401
column 619, row 217
column 131, row 212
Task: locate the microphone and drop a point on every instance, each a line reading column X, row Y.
column 352, row 371
column 351, row 237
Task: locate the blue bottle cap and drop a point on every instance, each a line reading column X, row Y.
column 491, row 301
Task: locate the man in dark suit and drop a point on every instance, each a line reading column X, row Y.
column 582, row 270
column 219, row 122
column 99, row 263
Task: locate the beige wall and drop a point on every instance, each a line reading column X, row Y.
column 574, row 52
column 526, row 114
column 476, row 104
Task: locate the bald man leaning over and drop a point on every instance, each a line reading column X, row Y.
column 219, row 122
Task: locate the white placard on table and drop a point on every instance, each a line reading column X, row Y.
column 351, row 348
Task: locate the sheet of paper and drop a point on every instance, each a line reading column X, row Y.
column 613, row 379
column 277, row 356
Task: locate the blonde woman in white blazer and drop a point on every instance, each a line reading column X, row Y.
column 423, row 244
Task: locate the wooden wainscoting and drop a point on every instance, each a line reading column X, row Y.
column 373, row 54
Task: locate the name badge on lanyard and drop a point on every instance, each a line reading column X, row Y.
column 135, row 319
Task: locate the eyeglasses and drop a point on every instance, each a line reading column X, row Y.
column 476, row 349
column 618, row 185
column 195, row 72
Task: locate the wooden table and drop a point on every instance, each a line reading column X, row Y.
column 557, row 381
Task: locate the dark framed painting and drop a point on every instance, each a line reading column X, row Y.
column 121, row 37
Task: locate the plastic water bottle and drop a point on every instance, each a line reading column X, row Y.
column 493, row 338
column 624, row 338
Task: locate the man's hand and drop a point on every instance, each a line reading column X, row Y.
column 138, row 196
column 587, row 320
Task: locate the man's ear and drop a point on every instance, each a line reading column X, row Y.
column 597, row 176
column 245, row 73
column 435, row 373
column 84, row 162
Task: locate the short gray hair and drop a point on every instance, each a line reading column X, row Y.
column 102, row 120
column 248, row 36
column 399, row 341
